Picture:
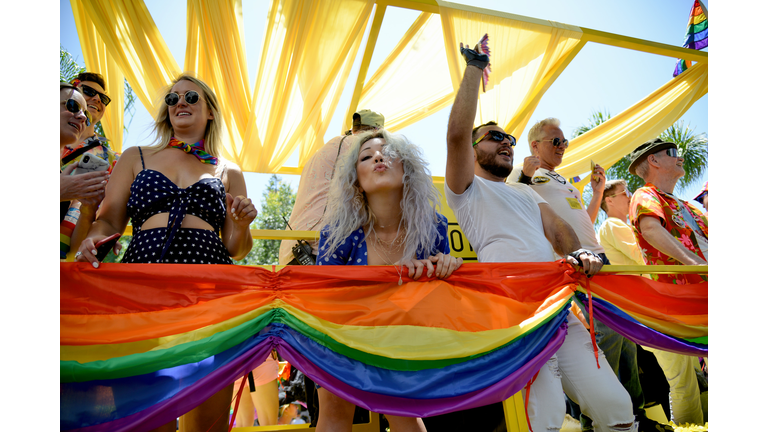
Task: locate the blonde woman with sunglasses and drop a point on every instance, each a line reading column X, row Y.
column 179, row 197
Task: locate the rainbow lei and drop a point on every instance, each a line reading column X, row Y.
column 196, row 149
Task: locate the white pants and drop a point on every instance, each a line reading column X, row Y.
column 680, row 371
column 574, row 369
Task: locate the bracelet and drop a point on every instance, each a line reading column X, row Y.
column 525, row 179
column 575, row 254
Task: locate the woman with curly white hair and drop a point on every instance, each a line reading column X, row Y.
column 382, row 211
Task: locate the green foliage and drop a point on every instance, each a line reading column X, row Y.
column 277, row 201
column 111, row 257
column 69, row 69
column 693, row 147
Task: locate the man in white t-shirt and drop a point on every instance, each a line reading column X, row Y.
column 510, row 223
column 312, row 196
column 548, row 145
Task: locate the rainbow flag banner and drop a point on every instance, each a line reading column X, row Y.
column 697, row 36
column 142, row 344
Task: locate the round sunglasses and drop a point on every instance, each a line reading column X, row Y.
column 74, row 107
column 191, row 97
column 91, row 92
column 498, row 137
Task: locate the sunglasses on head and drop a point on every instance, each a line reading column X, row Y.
column 671, row 152
column 191, row 97
column 74, row 107
column 91, row 92
column 624, row 192
column 556, row 142
column 497, row 136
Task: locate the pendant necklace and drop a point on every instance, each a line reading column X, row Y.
column 399, row 269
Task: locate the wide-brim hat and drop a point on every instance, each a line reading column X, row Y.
column 639, row 154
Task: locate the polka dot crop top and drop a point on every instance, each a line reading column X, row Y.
column 153, row 193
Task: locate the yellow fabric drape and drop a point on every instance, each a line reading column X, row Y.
column 527, row 56
column 413, row 82
column 98, row 59
column 308, row 51
column 134, row 42
column 645, row 120
column 215, row 53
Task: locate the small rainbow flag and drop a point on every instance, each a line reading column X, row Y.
column 574, row 180
column 697, row 36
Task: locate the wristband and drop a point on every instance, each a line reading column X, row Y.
column 525, row 179
column 575, row 254
column 474, row 58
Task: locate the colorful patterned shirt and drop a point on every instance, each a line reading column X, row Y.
column 72, row 211
column 650, row 201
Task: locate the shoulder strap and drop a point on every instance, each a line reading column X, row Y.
column 142, row 158
column 221, row 176
column 70, row 157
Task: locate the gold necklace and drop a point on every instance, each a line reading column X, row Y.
column 399, row 269
column 390, row 246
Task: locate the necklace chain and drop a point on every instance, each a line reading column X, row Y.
column 389, row 246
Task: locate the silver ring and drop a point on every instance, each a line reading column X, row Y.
column 77, row 254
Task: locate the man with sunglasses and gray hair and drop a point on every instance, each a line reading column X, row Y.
column 548, row 145
column 511, row 223
column 670, row 232
column 91, row 86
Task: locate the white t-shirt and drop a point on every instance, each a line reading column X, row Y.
column 566, row 201
column 502, row 222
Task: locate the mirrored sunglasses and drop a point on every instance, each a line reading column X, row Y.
column 191, row 97
column 91, row 92
column 74, row 107
column 672, row 152
column 498, row 137
column 556, row 142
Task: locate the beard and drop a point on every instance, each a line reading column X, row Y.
column 487, row 161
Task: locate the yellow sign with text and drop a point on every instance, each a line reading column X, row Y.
column 460, row 246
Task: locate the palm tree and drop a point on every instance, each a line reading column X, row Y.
column 693, row 148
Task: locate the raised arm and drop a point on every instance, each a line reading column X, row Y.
column 564, row 241
column 661, row 239
column 460, row 165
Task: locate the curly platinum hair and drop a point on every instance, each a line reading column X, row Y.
column 348, row 208
column 537, row 131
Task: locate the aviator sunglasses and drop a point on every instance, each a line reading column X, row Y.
column 497, row 136
column 191, row 97
column 91, row 92
column 74, row 107
column 556, row 142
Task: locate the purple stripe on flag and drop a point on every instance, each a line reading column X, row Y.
column 645, row 336
column 393, row 405
column 701, row 44
column 192, row 396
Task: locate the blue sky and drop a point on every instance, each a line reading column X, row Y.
column 599, row 78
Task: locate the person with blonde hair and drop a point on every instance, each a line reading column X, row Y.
column 179, row 198
column 382, row 211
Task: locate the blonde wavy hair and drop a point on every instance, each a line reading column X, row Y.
column 348, row 208
column 164, row 130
